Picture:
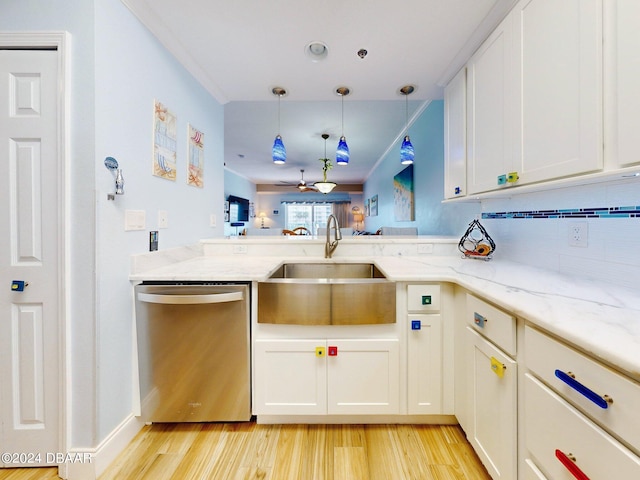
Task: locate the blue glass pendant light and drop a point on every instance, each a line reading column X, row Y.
column 278, row 152
column 407, row 153
column 342, row 152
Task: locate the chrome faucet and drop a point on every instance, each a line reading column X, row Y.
column 330, row 246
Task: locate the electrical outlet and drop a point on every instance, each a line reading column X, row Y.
column 212, row 220
column 578, row 234
column 163, row 219
column 240, row 249
column 425, row 248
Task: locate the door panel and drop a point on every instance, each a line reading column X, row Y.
column 29, row 240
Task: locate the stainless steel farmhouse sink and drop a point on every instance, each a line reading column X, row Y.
column 327, row 294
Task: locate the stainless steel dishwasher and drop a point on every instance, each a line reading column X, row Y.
column 193, row 351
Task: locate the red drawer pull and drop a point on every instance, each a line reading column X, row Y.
column 570, row 464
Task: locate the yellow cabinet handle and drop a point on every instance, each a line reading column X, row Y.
column 498, row 367
column 319, row 351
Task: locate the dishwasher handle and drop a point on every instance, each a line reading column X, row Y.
column 190, row 299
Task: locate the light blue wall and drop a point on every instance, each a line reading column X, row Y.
column 133, row 69
column 118, row 69
column 431, row 216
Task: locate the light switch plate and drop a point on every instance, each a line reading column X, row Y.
column 212, row 220
column 134, row 220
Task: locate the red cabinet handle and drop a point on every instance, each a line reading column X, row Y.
column 332, row 351
column 569, row 463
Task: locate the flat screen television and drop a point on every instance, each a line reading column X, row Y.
column 238, row 209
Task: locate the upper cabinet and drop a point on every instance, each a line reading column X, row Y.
column 534, row 98
column 455, row 142
column 622, row 78
column 490, row 110
column 559, row 80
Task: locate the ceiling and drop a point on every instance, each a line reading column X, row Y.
column 240, row 50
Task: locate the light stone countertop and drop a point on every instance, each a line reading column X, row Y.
column 600, row 318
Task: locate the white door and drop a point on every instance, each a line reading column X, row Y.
column 29, row 252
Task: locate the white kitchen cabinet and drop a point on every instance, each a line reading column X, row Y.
column 427, row 387
column 455, row 131
column 332, row 376
column 622, row 67
column 489, row 407
column 290, row 379
column 534, row 96
column 491, row 110
column 493, row 395
column 558, row 68
column 425, row 374
column 566, row 444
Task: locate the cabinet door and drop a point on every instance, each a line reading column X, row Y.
column 490, row 110
column 560, row 82
column 424, row 388
column 622, row 102
column 363, row 377
column 455, row 131
column 494, row 410
column 290, row 378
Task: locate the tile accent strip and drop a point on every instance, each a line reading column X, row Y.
column 601, row 212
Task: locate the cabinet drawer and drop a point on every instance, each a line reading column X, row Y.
column 496, row 325
column 555, row 430
column 423, row 298
column 545, row 356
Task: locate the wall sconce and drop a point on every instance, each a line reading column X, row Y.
column 112, row 165
column 262, row 216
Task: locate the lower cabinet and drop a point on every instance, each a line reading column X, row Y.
column 566, row 444
column 332, row 376
column 425, row 374
column 492, row 393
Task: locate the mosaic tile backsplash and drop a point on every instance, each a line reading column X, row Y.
column 601, row 212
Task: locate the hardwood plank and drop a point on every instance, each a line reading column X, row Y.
column 382, row 460
column 247, row 451
column 317, row 456
column 45, row 473
column 350, row 463
column 204, row 452
column 288, row 462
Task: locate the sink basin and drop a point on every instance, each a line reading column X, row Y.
column 328, row 271
column 327, row 294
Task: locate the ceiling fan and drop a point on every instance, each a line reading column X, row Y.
column 302, row 184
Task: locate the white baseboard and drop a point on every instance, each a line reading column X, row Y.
column 104, row 454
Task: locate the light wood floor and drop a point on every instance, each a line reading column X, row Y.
column 233, row 451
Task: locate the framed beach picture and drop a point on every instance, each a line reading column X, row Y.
column 403, row 204
column 164, row 142
column 195, row 167
column 374, row 206
column 367, row 207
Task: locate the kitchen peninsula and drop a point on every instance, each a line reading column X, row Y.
column 519, row 316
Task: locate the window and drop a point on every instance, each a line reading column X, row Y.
column 309, row 215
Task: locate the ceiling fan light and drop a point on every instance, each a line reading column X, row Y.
column 278, row 152
column 407, row 153
column 342, row 153
column 324, row 187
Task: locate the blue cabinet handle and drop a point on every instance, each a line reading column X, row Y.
column 601, row 401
